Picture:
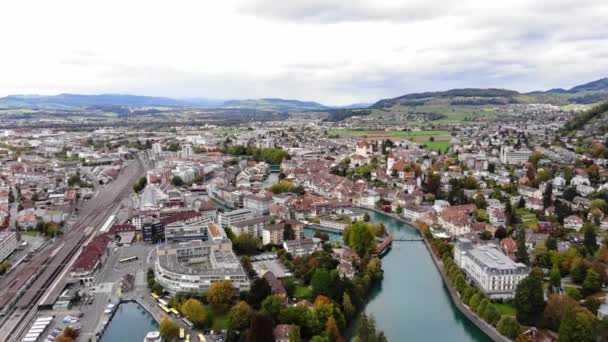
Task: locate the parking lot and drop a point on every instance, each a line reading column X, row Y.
column 269, row 262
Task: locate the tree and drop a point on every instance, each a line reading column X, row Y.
column 359, row 237
column 551, row 243
column 321, row 283
column 555, row 280
column 177, row 181
column 294, row 334
column 260, row 329
column 590, row 238
column 332, row 330
column 374, row 269
column 556, row 308
column 529, row 299
column 347, row 306
column 220, row 293
column 508, row 326
column 490, row 314
column 474, row 302
column 592, row 283
column 239, row 316
column 578, row 325
column 480, row 201
column 288, row 233
column 578, row 270
column 522, row 250
column 548, row 195
column 168, row 329
column 259, row 290
column 366, row 217
column 194, row 311
column 273, row 305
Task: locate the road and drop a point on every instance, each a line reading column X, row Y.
column 22, row 290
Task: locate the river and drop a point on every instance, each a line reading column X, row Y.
column 131, row 322
column 412, row 304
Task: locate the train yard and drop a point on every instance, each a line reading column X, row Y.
column 37, row 282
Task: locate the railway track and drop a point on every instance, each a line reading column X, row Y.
column 29, row 284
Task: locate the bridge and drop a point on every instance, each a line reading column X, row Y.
column 384, row 246
column 408, row 239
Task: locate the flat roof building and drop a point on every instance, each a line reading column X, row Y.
column 193, row 266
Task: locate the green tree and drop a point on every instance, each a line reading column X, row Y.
column 193, row 310
column 555, row 280
column 374, row 269
column 321, row 283
column 578, row 270
column 347, row 306
column 168, row 329
column 590, row 238
column 592, row 283
column 359, row 237
column 273, row 305
column 548, row 195
column 491, row 314
column 177, row 181
column 288, row 233
column 529, row 298
column 239, row 316
column 259, row 290
column 474, row 302
column 508, row 326
column 294, row 334
column 522, row 250
column 480, row 201
column 578, row 325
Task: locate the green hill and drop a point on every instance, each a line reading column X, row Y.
column 475, row 104
column 593, row 122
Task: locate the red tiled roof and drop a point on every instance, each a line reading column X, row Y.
column 186, row 215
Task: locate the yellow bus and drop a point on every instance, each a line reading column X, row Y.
column 155, row 296
column 201, row 338
column 175, row 312
column 164, row 308
column 182, row 333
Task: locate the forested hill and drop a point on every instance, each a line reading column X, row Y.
column 593, row 122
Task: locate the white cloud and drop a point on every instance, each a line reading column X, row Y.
column 331, row 51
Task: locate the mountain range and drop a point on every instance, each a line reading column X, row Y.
column 588, row 93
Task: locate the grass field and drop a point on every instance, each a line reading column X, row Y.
column 220, row 322
column 386, row 134
column 438, row 145
column 505, row 309
column 303, row 292
column 228, row 131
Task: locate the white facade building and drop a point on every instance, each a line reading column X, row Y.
column 8, row 244
column 493, row 272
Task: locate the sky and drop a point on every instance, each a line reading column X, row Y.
column 330, row 51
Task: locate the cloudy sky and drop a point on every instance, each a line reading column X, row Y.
column 331, row 51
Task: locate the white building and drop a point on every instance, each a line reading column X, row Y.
column 8, row 244
column 186, row 150
column 508, row 155
column 226, row 219
column 493, row 272
column 195, row 265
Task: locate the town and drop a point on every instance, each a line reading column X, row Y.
column 280, row 231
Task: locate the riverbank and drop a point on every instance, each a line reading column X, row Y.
column 486, row 328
